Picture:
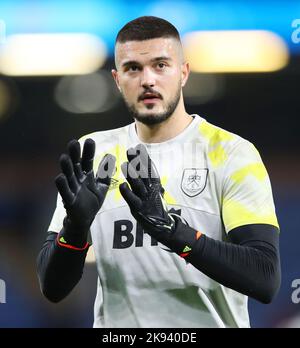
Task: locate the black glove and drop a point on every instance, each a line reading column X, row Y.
column 147, row 205
column 81, row 192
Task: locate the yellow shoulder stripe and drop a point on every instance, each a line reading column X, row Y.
column 217, row 156
column 258, row 170
column 214, row 134
column 235, row 214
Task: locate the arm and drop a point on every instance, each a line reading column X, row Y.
column 59, row 268
column 61, row 259
column 248, row 262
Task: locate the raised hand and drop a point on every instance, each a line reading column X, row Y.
column 145, row 198
column 83, row 193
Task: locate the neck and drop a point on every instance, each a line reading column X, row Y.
column 166, row 130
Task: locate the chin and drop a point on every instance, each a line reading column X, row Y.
column 151, row 119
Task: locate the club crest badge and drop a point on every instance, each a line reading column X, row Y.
column 194, row 181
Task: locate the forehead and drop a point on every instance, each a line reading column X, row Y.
column 146, row 50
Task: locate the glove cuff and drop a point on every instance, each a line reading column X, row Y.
column 63, row 243
column 183, row 238
column 73, row 235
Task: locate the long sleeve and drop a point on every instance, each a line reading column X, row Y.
column 59, row 268
column 248, row 262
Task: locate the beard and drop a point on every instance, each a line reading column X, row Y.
column 151, row 119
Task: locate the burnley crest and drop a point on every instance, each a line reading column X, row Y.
column 193, row 181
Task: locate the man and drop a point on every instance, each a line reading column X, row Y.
column 196, row 231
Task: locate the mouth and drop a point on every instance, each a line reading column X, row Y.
column 150, row 98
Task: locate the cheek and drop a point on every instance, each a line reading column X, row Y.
column 174, row 77
column 128, row 89
column 172, row 82
column 128, row 84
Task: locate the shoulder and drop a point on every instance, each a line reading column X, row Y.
column 223, row 146
column 113, row 141
column 107, row 136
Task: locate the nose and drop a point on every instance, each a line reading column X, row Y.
column 147, row 78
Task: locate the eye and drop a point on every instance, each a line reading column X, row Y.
column 161, row 65
column 133, row 68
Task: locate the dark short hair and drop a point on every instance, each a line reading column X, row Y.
column 145, row 28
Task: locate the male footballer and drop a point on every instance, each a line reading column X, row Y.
column 180, row 212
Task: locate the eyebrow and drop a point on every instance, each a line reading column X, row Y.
column 131, row 62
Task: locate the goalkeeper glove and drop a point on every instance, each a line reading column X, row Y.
column 82, row 193
column 147, row 205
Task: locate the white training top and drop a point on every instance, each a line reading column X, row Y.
column 216, row 181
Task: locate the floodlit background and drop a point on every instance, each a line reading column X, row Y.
column 55, row 85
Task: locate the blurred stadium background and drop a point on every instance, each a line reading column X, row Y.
column 55, row 85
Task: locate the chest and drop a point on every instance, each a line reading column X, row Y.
column 186, row 176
